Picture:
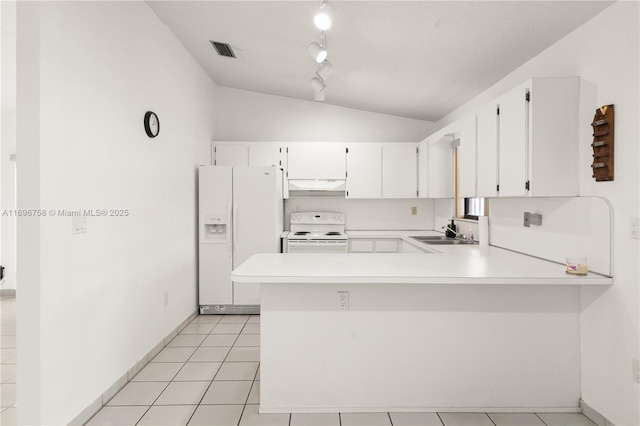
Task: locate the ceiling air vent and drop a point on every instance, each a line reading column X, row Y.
column 223, row 49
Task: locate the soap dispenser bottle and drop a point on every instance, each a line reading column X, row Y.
column 451, row 229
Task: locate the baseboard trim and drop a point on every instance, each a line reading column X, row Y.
column 281, row 410
column 93, row 408
column 594, row 415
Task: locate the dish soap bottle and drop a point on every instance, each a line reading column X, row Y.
column 451, row 230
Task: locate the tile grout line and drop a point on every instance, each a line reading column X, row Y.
column 218, row 371
column 171, row 381
column 244, row 407
column 545, row 423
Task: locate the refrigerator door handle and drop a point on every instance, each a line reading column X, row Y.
column 228, row 227
column 235, row 231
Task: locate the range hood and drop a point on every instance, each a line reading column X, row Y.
column 317, row 187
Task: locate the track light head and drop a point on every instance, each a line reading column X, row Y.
column 317, row 52
column 322, row 19
column 325, row 70
column 317, row 84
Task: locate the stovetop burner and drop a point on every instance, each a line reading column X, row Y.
column 333, row 233
column 302, row 233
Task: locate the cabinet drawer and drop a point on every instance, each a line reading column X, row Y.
column 361, row 246
column 386, row 246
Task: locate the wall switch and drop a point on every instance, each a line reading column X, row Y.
column 636, row 370
column 635, row 228
column 414, row 210
column 343, row 300
column 79, row 225
column 532, row 219
column 166, row 298
column 536, row 219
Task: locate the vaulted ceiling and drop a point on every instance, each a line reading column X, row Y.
column 417, row 59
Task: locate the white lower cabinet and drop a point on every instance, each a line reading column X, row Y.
column 374, row 245
column 357, row 245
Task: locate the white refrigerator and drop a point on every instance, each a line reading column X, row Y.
column 240, row 214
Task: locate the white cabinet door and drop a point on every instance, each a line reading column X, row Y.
column 231, row 155
column 514, row 137
column 422, row 169
column 399, row 170
column 316, row 160
column 266, row 155
column 357, row 245
column 440, row 168
column 467, row 157
column 364, row 170
column 487, row 119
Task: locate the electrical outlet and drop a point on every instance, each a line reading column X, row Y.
column 536, row 219
column 343, row 300
column 166, row 298
column 636, row 370
column 527, row 219
column 414, row 210
column 79, row 225
column 635, row 228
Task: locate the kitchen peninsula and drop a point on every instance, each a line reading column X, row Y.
column 474, row 328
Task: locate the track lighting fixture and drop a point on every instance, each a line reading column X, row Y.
column 318, row 86
column 317, row 52
column 325, row 70
column 322, row 20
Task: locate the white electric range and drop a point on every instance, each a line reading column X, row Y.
column 317, row 232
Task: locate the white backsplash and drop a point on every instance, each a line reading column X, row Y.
column 363, row 215
column 571, row 227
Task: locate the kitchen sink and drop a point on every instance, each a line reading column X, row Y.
column 442, row 240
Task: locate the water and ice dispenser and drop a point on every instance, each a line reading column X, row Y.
column 214, row 229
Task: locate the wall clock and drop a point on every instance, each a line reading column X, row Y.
column 151, row 124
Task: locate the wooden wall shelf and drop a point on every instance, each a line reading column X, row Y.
column 603, row 143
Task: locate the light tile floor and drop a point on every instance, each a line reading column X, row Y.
column 8, row 359
column 209, row 375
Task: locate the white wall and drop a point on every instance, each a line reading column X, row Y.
column 364, row 215
column 8, row 200
column 95, row 68
column 604, row 53
column 251, row 116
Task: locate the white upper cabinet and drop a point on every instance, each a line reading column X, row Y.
column 538, row 138
column 467, row 157
column 364, row 170
column 399, row 170
column 422, row 169
column 514, row 140
column 265, row 155
column 487, row 148
column 231, row 155
column 440, row 164
column 316, row 160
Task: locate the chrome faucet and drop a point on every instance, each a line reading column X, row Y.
column 457, row 234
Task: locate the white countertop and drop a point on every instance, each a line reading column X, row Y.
column 447, row 264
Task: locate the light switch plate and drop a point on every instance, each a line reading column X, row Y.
column 527, row 219
column 79, row 225
column 635, row 228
